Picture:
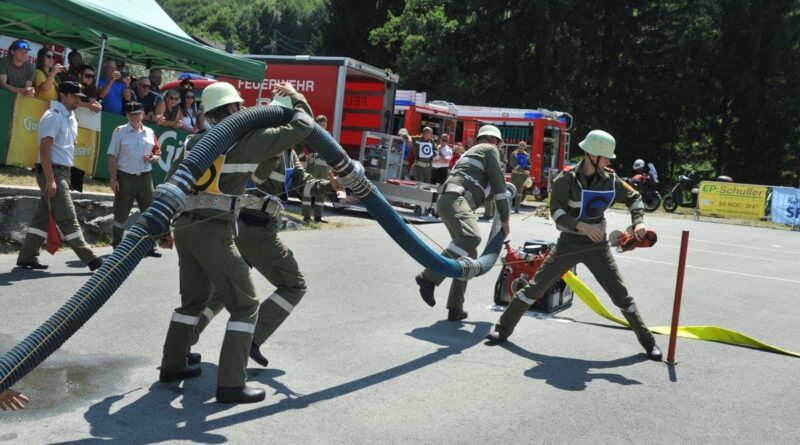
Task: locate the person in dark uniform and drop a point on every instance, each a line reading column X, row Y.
column 421, row 155
column 205, row 240
column 579, row 199
column 476, row 177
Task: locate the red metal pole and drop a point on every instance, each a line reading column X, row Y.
column 676, row 308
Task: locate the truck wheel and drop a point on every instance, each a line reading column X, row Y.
column 669, row 204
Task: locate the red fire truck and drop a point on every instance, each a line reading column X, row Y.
column 546, row 133
column 355, row 97
column 412, row 112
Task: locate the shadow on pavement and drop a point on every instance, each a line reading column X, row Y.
column 571, row 374
column 154, row 417
column 22, row 274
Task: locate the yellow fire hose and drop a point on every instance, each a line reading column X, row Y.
column 708, row 333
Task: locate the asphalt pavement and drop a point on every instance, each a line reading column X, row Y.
column 363, row 360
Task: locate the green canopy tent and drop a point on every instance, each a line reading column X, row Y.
column 135, row 30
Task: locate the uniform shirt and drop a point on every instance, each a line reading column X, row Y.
column 61, row 125
column 479, row 172
column 255, row 147
column 518, row 168
column 17, row 76
column 129, row 146
column 421, row 151
column 575, row 198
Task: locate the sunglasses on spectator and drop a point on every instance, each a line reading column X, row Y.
column 49, row 56
column 172, row 98
column 190, row 96
column 88, row 76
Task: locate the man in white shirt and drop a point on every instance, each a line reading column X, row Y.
column 441, row 161
column 58, row 132
column 131, row 153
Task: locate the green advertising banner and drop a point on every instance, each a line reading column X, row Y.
column 6, row 105
column 170, row 140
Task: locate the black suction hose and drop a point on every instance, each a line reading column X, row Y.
column 170, row 199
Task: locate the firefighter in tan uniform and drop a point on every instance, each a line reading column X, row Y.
column 312, row 197
column 258, row 242
column 58, row 132
column 476, row 177
column 131, row 153
column 520, row 171
column 421, row 155
column 208, row 257
column 489, row 206
column 578, row 202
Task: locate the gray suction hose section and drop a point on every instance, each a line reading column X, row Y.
column 169, row 200
column 351, row 174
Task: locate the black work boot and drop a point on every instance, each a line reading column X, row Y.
column 189, row 373
column 32, row 264
column 239, row 394
column 95, row 264
column 193, row 358
column 426, row 288
column 257, row 356
column 496, row 337
column 654, row 353
column 456, row 314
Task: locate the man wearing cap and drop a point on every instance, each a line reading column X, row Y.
column 476, row 177
column 133, row 150
column 578, row 202
column 58, row 131
column 422, row 150
column 16, row 72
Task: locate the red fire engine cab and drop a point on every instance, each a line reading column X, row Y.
column 546, row 133
column 412, row 112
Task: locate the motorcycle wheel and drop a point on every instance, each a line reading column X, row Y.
column 653, row 204
column 669, row 204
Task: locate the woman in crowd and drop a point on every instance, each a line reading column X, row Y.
column 168, row 112
column 189, row 110
column 45, row 84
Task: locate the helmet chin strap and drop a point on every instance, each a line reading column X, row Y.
column 595, row 163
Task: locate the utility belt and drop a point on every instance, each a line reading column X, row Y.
column 460, row 191
column 268, row 205
column 422, row 164
column 39, row 168
column 120, row 172
column 574, row 235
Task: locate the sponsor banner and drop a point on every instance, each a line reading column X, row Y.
column 731, row 199
column 785, row 206
column 6, row 106
column 23, row 149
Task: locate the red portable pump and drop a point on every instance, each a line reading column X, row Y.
column 519, row 267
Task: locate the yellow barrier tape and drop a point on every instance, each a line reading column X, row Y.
column 708, row 333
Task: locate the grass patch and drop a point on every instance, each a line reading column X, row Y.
column 26, row 177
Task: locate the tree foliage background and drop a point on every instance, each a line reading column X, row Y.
column 710, row 85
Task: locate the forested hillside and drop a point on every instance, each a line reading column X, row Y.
column 704, row 84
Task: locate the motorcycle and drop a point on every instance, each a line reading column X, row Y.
column 647, row 188
column 684, row 192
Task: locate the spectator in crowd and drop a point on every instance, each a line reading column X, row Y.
column 168, row 111
column 406, row 147
column 89, row 89
column 131, row 153
column 58, row 131
column 147, row 97
column 458, row 150
column 45, row 83
column 16, row 72
column 155, row 79
column 441, row 160
column 75, row 61
column 190, row 111
column 112, row 89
